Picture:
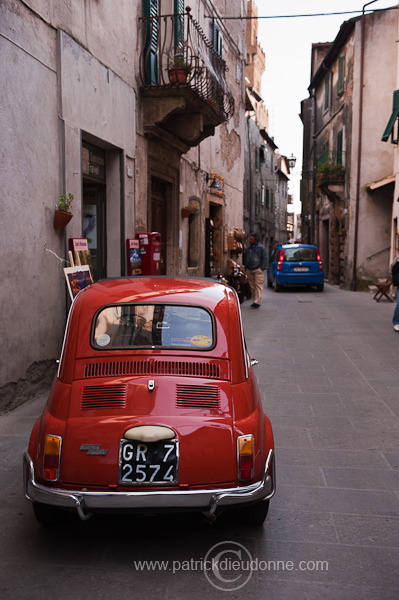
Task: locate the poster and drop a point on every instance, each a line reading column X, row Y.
column 77, row 278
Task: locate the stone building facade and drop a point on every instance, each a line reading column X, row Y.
column 347, row 185
column 91, row 108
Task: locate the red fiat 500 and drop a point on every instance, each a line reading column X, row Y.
column 155, row 407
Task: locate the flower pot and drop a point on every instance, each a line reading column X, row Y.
column 178, row 75
column 186, row 212
column 61, row 218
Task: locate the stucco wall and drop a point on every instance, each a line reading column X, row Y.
column 32, row 291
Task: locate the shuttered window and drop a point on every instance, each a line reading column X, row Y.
column 389, row 130
column 340, row 141
column 151, row 9
column 341, row 75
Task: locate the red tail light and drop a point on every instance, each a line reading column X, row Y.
column 318, row 258
column 52, row 455
column 245, row 457
column 280, row 260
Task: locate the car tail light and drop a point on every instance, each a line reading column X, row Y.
column 245, row 457
column 280, row 260
column 318, row 258
column 52, row 454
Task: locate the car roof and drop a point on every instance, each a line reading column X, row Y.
column 161, row 289
column 297, row 246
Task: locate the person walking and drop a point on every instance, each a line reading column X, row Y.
column 255, row 263
column 395, row 282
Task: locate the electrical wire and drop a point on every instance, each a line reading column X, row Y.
column 351, row 12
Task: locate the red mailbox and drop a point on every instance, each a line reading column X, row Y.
column 150, row 252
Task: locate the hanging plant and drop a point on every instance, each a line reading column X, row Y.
column 62, row 213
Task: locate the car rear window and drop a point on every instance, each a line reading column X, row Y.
column 153, row 325
column 295, row 254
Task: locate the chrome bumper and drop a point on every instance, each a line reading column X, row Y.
column 206, row 501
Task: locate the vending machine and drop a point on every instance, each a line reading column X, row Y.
column 150, row 252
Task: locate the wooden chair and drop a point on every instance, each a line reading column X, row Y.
column 383, row 289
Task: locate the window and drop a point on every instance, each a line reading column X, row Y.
column 340, row 141
column 262, row 196
column 217, row 38
column 327, row 91
column 390, row 128
column 341, row 75
column 153, row 325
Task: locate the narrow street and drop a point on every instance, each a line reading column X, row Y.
column 329, row 372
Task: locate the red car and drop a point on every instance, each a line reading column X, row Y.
column 155, row 407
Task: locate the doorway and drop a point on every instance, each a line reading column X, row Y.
column 94, row 227
column 161, row 193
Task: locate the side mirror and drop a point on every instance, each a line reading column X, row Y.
column 254, row 362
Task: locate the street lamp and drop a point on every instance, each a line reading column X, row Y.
column 292, row 161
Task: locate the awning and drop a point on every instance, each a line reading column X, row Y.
column 381, row 182
column 389, row 130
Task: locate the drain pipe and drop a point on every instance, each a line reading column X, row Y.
column 359, row 146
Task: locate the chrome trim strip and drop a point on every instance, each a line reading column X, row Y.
column 207, row 501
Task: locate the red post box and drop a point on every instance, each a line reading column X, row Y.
column 150, row 252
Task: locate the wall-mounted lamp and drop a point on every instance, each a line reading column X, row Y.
column 214, row 183
column 292, row 161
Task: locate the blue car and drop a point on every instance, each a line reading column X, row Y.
column 295, row 264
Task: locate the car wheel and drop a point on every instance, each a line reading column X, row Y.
column 269, row 283
column 320, row 287
column 255, row 514
column 277, row 286
column 47, row 515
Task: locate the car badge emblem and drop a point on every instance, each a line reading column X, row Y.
column 94, row 449
column 151, row 385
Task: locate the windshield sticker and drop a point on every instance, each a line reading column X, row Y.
column 103, row 339
column 181, row 342
column 202, row 341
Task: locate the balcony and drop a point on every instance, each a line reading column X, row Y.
column 184, row 90
column 331, row 175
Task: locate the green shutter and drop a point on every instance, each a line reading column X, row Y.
column 151, row 9
column 179, row 26
column 340, row 140
column 341, row 75
column 389, row 130
column 327, row 88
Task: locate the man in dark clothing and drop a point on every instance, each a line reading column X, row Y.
column 255, row 262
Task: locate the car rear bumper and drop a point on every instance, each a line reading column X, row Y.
column 206, row 501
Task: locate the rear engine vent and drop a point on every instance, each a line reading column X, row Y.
column 198, row 396
column 152, row 367
column 95, row 397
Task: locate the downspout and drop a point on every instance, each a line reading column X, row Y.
column 359, row 147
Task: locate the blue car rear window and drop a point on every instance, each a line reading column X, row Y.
column 299, row 254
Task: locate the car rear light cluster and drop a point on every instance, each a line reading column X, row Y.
column 245, row 457
column 280, row 260
column 52, row 456
column 318, row 258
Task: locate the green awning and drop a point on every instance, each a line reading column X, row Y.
column 389, row 130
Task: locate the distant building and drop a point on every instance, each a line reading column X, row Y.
column 347, row 187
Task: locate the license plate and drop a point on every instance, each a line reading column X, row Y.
column 301, row 269
column 154, row 462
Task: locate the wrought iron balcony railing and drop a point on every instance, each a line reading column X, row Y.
column 177, row 52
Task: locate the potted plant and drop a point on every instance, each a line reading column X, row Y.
column 63, row 214
column 186, row 212
column 179, row 69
